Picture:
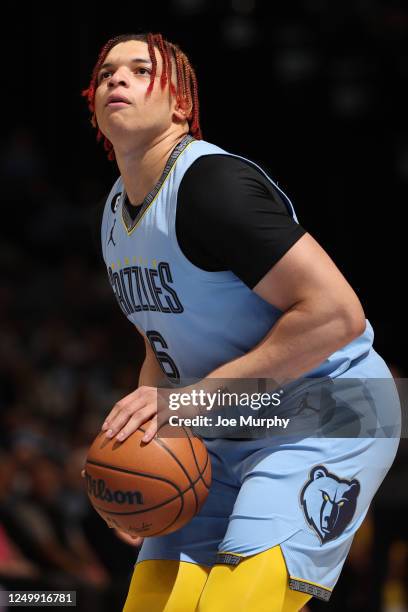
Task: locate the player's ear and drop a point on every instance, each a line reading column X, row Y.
column 181, row 111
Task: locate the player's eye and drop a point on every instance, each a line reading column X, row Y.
column 145, row 69
column 107, row 72
column 341, row 503
column 325, row 497
column 103, row 74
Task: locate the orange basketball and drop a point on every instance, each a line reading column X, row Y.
column 152, row 488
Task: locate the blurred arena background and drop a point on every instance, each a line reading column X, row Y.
column 315, row 91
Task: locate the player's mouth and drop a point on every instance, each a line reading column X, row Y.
column 115, row 101
column 118, row 104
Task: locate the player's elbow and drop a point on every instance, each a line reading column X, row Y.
column 352, row 319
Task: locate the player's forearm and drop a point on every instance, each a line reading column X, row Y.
column 302, row 339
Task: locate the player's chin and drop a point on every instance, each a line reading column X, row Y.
column 118, row 110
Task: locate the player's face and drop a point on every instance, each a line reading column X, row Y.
column 140, row 116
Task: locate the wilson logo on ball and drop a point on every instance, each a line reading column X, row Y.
column 148, row 489
column 98, row 489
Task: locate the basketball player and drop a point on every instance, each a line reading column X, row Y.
column 207, row 259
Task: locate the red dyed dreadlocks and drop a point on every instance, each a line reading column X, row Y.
column 186, row 92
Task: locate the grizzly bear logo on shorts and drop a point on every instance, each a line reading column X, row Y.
column 328, row 502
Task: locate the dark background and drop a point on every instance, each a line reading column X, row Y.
column 314, row 91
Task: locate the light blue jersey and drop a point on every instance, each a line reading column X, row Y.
column 195, row 320
column 309, row 495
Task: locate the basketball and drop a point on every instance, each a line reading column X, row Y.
column 152, row 488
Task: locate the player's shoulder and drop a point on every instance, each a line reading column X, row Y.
column 111, row 200
column 222, row 171
column 217, row 164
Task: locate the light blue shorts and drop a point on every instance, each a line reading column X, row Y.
column 309, row 495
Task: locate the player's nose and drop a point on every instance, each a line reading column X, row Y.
column 119, row 77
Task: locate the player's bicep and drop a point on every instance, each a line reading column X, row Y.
column 306, row 272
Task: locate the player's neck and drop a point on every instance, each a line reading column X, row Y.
column 142, row 167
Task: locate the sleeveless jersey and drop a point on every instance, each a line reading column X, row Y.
column 195, row 320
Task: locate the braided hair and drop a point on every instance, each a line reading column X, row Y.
column 186, row 92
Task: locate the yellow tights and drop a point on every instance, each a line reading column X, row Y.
column 259, row 583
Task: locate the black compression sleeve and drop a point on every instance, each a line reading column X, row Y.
column 231, row 217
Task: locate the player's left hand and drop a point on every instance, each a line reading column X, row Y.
column 129, row 413
column 132, row 540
